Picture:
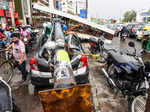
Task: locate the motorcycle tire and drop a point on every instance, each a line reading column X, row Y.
column 109, row 69
column 122, row 38
column 137, row 104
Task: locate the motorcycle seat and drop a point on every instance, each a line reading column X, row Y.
column 121, row 58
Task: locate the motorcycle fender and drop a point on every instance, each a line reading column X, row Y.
column 73, row 99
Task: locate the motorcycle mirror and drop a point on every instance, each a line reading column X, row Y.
column 101, row 42
column 131, row 44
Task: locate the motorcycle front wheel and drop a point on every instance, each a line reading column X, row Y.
column 111, row 80
column 137, row 104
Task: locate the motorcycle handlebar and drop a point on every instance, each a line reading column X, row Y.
column 3, row 50
column 130, row 54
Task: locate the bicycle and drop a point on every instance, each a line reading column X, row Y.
column 7, row 65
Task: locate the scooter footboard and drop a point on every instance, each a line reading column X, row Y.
column 73, row 99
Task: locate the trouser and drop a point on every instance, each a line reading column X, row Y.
column 22, row 68
column 144, row 43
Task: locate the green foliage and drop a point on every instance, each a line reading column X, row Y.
column 129, row 16
column 96, row 20
column 148, row 19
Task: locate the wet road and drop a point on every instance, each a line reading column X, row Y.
column 105, row 100
column 122, row 46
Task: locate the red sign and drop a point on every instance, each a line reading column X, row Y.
column 1, row 12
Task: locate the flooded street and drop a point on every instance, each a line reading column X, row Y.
column 104, row 98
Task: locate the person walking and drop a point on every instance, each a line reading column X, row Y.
column 19, row 54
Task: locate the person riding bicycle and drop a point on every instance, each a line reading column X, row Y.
column 19, row 54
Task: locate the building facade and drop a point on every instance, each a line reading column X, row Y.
column 143, row 16
column 6, row 12
column 4, row 7
column 75, row 7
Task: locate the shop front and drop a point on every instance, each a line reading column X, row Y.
column 5, row 18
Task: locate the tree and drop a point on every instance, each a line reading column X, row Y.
column 129, row 16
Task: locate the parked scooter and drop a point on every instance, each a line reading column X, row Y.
column 7, row 103
column 126, row 73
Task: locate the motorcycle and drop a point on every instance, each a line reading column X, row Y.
column 97, row 49
column 126, row 73
column 123, row 36
column 29, row 43
column 7, row 103
column 34, row 34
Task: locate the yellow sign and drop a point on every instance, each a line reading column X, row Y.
column 63, row 56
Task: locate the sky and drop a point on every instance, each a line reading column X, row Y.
column 115, row 8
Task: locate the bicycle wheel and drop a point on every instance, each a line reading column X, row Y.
column 6, row 71
column 138, row 104
column 2, row 57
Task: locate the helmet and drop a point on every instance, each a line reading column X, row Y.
column 15, row 34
